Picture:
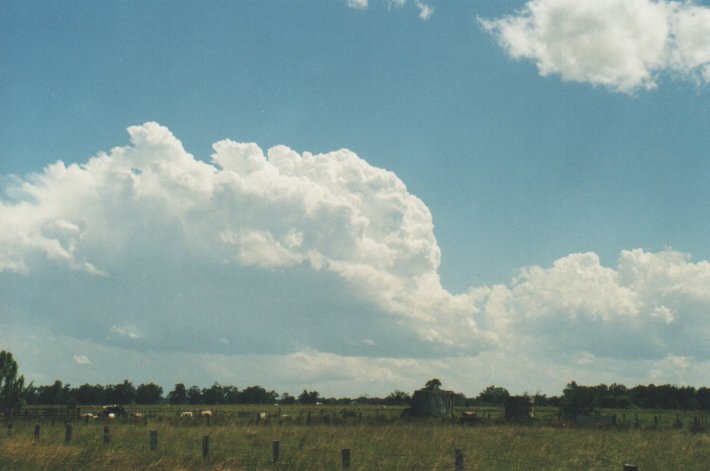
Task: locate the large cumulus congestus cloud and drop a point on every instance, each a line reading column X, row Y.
column 255, row 249
column 322, row 257
column 625, row 45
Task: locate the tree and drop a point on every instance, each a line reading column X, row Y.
column 178, row 395
column 286, row 398
column 11, row 385
column 308, row 397
column 88, row 394
column 493, row 395
column 122, row 393
column 257, row 395
column 214, row 394
column 578, row 400
column 194, row 395
column 56, row 394
column 397, row 397
column 433, row 384
column 149, row 393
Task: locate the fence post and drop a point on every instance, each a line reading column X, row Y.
column 153, row 439
column 458, row 454
column 36, row 433
column 275, row 451
column 345, row 457
column 9, row 430
column 68, row 433
column 107, row 435
column 205, row 446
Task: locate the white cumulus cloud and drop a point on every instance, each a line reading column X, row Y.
column 317, row 267
column 624, row 45
column 150, row 217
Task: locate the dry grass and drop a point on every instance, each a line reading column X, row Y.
column 391, row 446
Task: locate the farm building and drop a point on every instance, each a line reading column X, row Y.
column 430, row 402
column 519, row 407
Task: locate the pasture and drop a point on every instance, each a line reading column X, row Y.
column 312, row 438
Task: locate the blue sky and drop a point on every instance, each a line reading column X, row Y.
column 530, row 135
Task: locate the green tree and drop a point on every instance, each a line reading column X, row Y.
column 578, row 400
column 178, row 395
column 286, row 398
column 214, row 394
column 397, row 397
column 11, row 385
column 55, row 394
column 194, row 395
column 433, row 384
column 122, row 393
column 257, row 395
column 493, row 395
column 308, row 397
column 90, row 394
column 149, row 393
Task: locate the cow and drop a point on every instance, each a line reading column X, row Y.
column 114, row 411
column 186, row 413
column 206, row 413
column 89, row 416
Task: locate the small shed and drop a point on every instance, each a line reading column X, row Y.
column 519, row 407
column 431, row 403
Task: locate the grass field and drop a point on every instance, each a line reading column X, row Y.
column 376, row 438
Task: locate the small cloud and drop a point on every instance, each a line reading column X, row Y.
column 357, row 4
column 223, row 341
column 82, row 360
column 584, row 358
column 127, row 331
column 368, row 342
column 425, row 11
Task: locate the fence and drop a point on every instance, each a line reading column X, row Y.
column 347, row 458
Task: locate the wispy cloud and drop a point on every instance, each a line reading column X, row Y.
column 425, row 10
column 624, row 45
column 127, row 331
column 81, row 360
column 358, row 4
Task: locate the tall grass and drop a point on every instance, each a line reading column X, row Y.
column 389, row 445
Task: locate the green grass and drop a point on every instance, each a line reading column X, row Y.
column 378, row 441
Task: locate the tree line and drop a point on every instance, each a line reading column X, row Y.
column 575, row 399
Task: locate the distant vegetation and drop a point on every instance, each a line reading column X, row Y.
column 575, row 399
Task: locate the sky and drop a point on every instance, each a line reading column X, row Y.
column 356, row 196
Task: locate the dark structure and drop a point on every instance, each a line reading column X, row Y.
column 430, row 402
column 519, row 408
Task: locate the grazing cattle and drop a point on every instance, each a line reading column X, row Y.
column 186, row 414
column 115, row 410
column 136, row 414
column 90, row 416
column 206, row 413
